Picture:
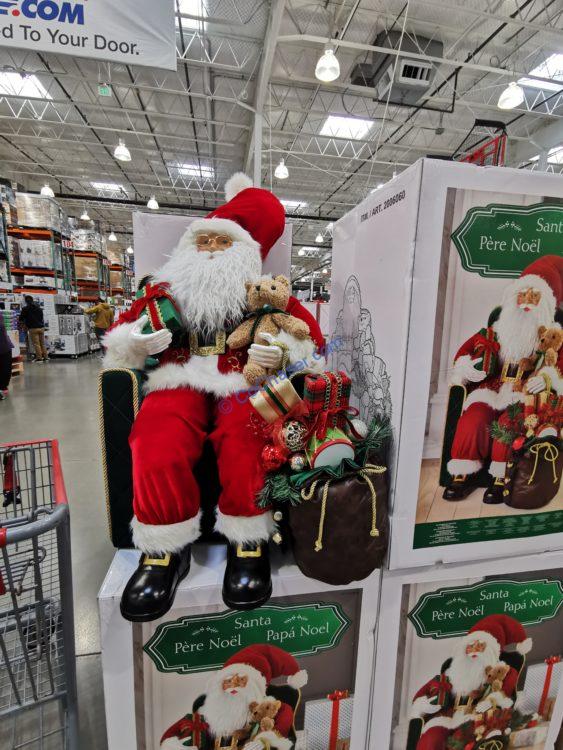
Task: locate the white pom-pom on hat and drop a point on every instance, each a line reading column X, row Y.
column 299, row 679
column 236, row 184
column 524, row 646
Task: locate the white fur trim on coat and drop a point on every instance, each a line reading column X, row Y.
column 303, row 351
column 299, row 679
column 217, row 224
column 173, row 743
column 236, row 184
column 200, row 373
column 245, row 529
column 461, row 466
column 121, row 350
column 275, row 740
column 497, row 469
column 498, row 401
column 556, row 378
column 158, row 539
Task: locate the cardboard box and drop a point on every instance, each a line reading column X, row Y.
column 425, row 615
column 153, row 672
column 86, row 268
column 418, row 268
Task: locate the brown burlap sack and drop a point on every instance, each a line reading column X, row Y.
column 533, row 476
column 340, row 530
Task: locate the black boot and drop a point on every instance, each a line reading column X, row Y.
column 247, row 583
column 494, row 492
column 460, row 487
column 150, row 591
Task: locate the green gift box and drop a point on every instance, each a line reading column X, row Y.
column 160, row 309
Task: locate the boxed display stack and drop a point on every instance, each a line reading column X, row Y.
column 447, row 291
column 41, row 212
column 8, row 201
column 87, row 252
column 5, row 277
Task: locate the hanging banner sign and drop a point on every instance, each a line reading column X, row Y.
column 502, row 240
column 137, row 32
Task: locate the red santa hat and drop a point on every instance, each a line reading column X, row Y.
column 502, row 632
column 264, row 663
column 546, row 275
column 250, row 215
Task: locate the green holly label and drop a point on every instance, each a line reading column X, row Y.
column 453, row 611
column 201, row 643
column 502, row 240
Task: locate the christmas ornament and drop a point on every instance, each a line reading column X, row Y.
column 330, row 450
column 360, row 427
column 298, row 462
column 518, row 443
column 294, row 434
column 277, row 538
column 272, row 457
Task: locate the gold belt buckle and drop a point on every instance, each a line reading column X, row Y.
column 206, row 351
column 231, row 746
column 163, row 561
column 249, row 553
column 506, row 378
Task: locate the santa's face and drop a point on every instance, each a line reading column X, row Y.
column 232, row 685
column 229, row 695
column 528, row 299
column 474, row 649
column 213, row 242
column 469, row 662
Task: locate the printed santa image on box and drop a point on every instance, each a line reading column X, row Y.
column 282, row 677
column 493, row 458
column 482, row 664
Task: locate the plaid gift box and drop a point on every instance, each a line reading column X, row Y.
column 160, row 308
column 329, row 720
column 328, row 392
column 486, row 348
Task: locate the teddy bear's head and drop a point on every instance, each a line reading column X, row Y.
column 550, row 338
column 496, row 672
column 268, row 291
column 265, row 710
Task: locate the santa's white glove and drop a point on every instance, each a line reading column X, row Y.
column 483, row 706
column 149, row 343
column 423, row 706
column 270, row 356
column 536, row 385
column 465, row 371
column 254, row 745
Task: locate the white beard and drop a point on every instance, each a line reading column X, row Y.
column 517, row 330
column 210, row 287
column 468, row 674
column 225, row 713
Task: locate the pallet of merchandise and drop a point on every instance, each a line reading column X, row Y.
column 17, row 366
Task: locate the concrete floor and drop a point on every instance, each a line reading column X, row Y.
column 59, row 400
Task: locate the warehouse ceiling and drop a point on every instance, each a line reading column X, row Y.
column 247, row 62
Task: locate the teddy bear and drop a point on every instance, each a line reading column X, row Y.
column 264, row 713
column 550, row 342
column 496, row 674
column 267, row 300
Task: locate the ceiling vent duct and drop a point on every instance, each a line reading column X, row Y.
column 412, row 78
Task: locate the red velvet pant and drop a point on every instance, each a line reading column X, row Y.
column 433, row 739
column 472, row 440
column 167, row 441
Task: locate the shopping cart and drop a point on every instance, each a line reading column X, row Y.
column 38, row 697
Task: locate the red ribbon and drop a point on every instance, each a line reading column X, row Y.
column 487, row 346
column 151, row 294
column 330, row 417
column 335, row 697
column 550, row 661
column 194, row 727
column 440, row 688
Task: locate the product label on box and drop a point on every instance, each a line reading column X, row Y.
column 501, row 240
column 193, row 644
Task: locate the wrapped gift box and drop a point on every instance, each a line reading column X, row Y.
column 319, row 720
column 530, row 699
column 529, row 737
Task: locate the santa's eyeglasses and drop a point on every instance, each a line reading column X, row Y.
column 219, row 240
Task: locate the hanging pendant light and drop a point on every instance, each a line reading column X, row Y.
column 319, row 238
column 129, row 250
column 281, row 171
column 153, row 203
column 84, row 216
column 121, row 152
column 328, row 67
column 511, row 97
column 112, row 237
column 47, row 191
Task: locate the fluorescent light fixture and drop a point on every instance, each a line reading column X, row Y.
column 112, row 237
column 328, row 67
column 153, row 203
column 293, row 204
column 130, row 250
column 552, row 68
column 554, row 155
column 191, row 8
column 22, row 85
column 121, row 152
column 203, row 172
column 281, row 171
column 47, row 191
column 110, row 187
column 319, row 238
column 512, row 96
column 337, row 126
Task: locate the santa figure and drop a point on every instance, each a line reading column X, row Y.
column 222, row 718
column 197, row 392
column 489, row 364
column 461, row 693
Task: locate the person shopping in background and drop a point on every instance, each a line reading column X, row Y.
column 103, row 318
column 31, row 317
column 6, row 347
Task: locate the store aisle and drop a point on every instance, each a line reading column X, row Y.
column 59, row 400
